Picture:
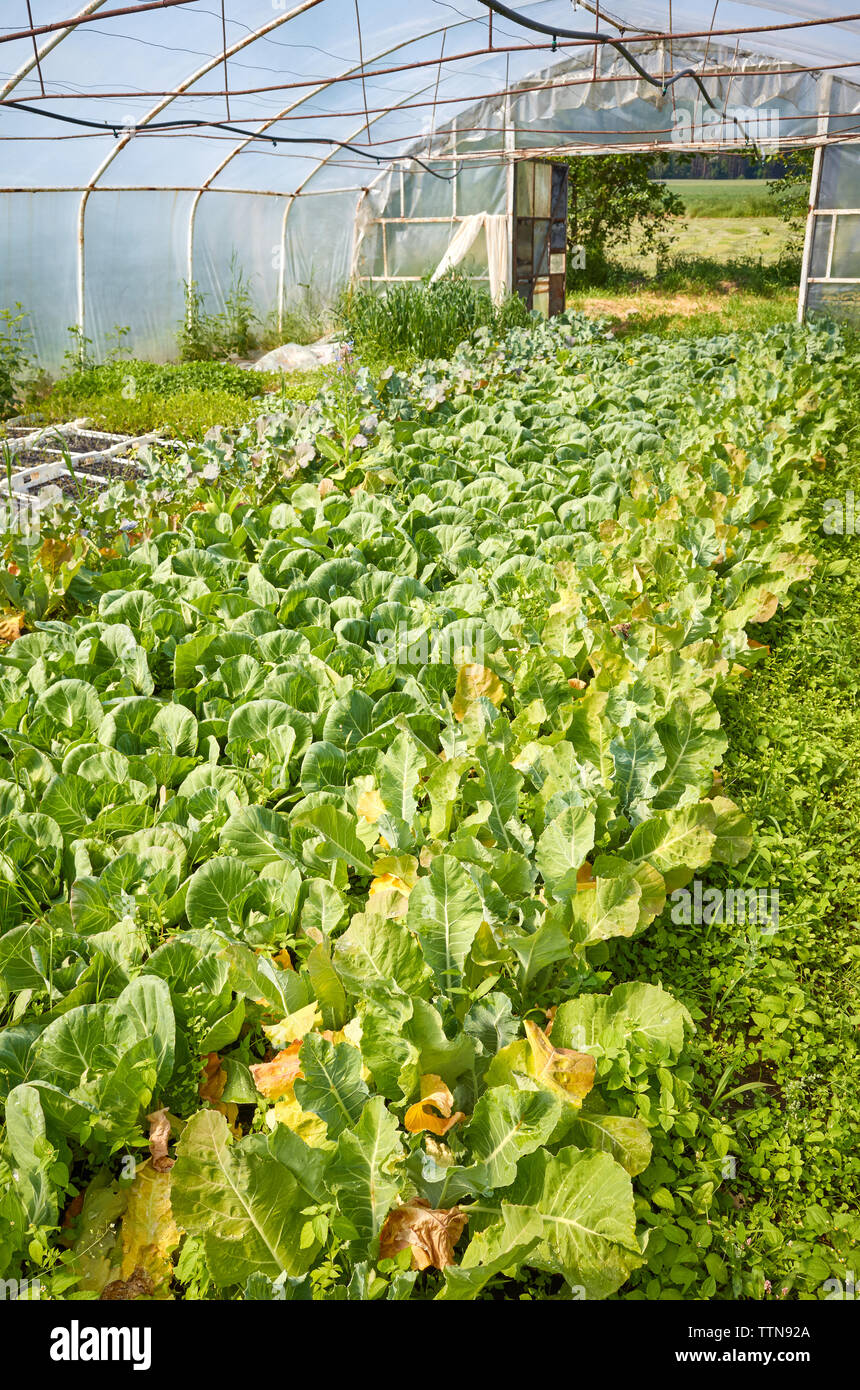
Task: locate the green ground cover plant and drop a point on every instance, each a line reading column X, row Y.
column 776, row 1064
column 331, row 800
column 183, row 400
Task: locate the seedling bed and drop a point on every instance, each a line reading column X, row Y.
column 113, row 468
column 85, row 443
column 77, row 488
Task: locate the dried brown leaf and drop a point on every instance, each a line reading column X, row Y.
column 159, row 1138
column 431, row 1234
column 139, row 1285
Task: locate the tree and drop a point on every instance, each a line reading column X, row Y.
column 790, row 192
column 612, row 201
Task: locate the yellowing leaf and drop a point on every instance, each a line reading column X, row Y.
column 149, row 1232
column 371, row 806
column 214, row 1078
column 294, row 1027
column 769, row 605
column 212, row 1088
column 11, row 625
column 433, row 1111
column 387, row 883
column 585, row 877
column 275, row 1079
column 431, row 1234
column 568, row 1074
column 302, row 1122
column 472, row 683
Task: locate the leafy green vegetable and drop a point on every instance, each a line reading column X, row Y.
column 346, row 778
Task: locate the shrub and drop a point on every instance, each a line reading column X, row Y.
column 14, row 356
column 612, row 200
column 790, row 194
column 204, row 336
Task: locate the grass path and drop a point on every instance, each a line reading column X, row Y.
column 694, row 311
column 776, row 1076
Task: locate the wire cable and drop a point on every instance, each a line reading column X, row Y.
column 117, row 129
column 556, row 33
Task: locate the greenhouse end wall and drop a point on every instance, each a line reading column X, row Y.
column 105, row 232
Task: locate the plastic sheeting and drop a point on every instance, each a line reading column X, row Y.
column 830, row 282
column 101, row 227
column 496, row 233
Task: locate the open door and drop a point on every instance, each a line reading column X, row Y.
column 540, row 234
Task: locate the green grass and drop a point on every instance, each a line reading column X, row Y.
column 185, row 400
column 723, row 197
column 694, row 294
column 407, row 322
column 779, row 1014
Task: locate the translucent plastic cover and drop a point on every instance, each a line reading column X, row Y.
column 276, row 135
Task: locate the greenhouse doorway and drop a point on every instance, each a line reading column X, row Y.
column 540, row 234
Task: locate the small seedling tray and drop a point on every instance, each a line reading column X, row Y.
column 114, row 469
column 77, row 488
column 84, row 443
column 73, row 458
column 44, row 468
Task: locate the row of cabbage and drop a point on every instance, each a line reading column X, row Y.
column 320, row 814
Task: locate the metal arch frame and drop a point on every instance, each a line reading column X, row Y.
column 285, row 111
column 291, row 198
column 51, row 44
column 91, row 8
column 267, row 125
column 154, row 111
column 180, row 90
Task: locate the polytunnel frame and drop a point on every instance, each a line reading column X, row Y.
column 182, row 89
column 511, row 154
column 508, row 154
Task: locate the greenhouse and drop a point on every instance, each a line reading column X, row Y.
column 413, row 135
column 429, row 673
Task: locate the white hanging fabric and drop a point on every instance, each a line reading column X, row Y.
column 496, row 226
column 498, row 250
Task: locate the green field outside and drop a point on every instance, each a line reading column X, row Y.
column 723, row 197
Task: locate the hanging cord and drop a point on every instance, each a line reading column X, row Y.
column 116, row 130
column 555, row 33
